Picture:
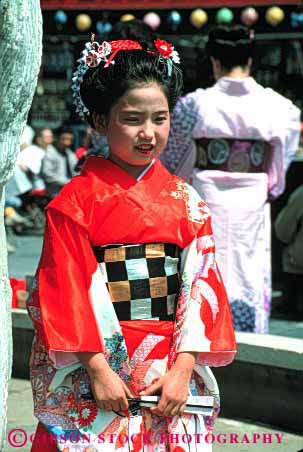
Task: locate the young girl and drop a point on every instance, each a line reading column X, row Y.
column 128, row 299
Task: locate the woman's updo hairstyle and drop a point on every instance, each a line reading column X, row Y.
column 103, row 87
column 231, row 45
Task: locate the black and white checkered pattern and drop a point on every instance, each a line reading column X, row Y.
column 143, row 280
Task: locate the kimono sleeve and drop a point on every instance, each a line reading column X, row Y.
column 180, row 153
column 208, row 327
column 64, row 279
column 285, row 142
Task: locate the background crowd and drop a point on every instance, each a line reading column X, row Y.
column 46, row 162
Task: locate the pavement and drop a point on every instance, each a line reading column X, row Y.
column 230, row 435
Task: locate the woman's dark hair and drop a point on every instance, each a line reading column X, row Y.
column 231, row 45
column 103, row 87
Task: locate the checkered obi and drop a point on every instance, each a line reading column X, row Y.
column 143, row 280
column 233, row 155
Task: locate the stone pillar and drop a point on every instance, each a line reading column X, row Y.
column 20, row 57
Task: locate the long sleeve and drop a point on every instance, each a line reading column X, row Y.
column 208, row 327
column 179, row 154
column 66, row 319
column 285, row 142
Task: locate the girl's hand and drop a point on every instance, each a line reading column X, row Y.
column 173, row 386
column 109, row 390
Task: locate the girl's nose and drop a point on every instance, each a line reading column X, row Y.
column 146, row 132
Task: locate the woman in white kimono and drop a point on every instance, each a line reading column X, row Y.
column 245, row 137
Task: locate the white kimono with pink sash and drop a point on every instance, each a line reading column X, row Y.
column 231, row 110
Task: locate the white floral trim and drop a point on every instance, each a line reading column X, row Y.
column 91, row 57
column 197, row 210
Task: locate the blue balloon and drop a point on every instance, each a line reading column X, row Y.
column 174, row 19
column 296, row 19
column 60, row 17
column 103, row 27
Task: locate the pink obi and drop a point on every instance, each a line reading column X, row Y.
column 233, row 155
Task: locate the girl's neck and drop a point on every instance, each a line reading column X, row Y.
column 132, row 170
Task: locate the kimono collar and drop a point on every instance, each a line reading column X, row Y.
column 236, row 87
column 107, row 170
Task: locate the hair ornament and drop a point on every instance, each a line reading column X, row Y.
column 92, row 55
column 166, row 50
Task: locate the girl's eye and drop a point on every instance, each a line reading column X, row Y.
column 160, row 119
column 132, row 120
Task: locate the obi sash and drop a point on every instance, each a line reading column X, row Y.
column 143, row 280
column 233, row 155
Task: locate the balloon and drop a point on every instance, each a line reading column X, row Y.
column 198, row 18
column 174, row 19
column 249, row 16
column 127, row 17
column 152, row 20
column 224, row 16
column 274, row 15
column 103, row 27
column 60, row 17
column 296, row 19
column 83, row 22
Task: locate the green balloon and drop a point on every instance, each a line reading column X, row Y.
column 224, row 16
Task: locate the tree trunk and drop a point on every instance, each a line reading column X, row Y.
column 20, row 50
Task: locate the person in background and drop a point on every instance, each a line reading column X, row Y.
column 289, row 229
column 245, row 137
column 17, row 186
column 27, row 137
column 19, row 183
column 86, row 144
column 59, row 163
column 30, row 158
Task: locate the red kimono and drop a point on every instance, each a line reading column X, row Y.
column 128, row 269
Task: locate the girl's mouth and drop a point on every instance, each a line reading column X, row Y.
column 145, row 149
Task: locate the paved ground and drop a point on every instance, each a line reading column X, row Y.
column 25, row 260
column 239, row 435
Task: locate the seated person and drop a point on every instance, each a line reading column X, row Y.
column 59, row 163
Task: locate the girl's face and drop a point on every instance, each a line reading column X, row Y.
column 138, row 127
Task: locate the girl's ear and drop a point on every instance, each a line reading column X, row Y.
column 99, row 123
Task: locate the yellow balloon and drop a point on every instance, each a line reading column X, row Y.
column 127, row 17
column 274, row 15
column 83, row 22
column 198, row 18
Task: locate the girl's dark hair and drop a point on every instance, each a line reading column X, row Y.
column 103, row 87
column 231, row 45
column 134, row 29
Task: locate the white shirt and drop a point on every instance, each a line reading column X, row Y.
column 31, row 157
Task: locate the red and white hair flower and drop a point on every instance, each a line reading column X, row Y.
column 167, row 50
column 104, row 49
column 92, row 58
